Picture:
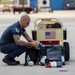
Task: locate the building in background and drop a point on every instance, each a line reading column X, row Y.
column 57, row 4
column 54, row 4
column 33, row 3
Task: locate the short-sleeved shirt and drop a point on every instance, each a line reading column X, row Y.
column 14, row 29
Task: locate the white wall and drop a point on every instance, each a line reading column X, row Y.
column 40, row 4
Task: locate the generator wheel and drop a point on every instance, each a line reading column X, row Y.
column 67, row 51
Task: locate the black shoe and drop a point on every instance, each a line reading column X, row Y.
column 25, row 64
column 10, row 61
column 18, row 62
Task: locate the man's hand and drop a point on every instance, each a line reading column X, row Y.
column 34, row 44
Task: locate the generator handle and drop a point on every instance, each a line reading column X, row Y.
column 35, row 23
column 43, row 19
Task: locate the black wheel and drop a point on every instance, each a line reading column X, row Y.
column 36, row 11
column 9, row 10
column 51, row 10
column 67, row 51
column 28, row 11
column 3, row 11
column 19, row 12
column 13, row 11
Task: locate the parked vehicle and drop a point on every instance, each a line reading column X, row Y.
column 21, row 5
column 69, row 4
column 6, row 8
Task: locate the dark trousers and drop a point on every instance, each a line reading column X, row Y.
column 14, row 50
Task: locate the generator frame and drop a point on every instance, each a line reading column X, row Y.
column 58, row 34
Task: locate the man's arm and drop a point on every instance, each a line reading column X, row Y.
column 20, row 42
column 28, row 38
column 23, row 43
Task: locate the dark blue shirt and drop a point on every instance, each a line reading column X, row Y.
column 14, row 29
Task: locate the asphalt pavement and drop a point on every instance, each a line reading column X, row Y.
column 68, row 20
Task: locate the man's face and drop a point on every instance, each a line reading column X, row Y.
column 25, row 23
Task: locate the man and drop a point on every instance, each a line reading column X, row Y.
column 11, row 44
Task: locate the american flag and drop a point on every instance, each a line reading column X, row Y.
column 50, row 34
